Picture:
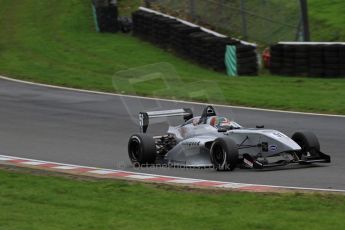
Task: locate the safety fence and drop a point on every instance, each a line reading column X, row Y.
column 264, row 21
column 196, row 43
column 308, row 59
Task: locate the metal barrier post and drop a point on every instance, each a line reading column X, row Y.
column 305, row 20
column 192, row 8
column 244, row 20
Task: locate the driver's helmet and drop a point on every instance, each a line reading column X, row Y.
column 218, row 122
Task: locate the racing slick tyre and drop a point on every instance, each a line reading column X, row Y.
column 142, row 149
column 224, row 154
column 307, row 141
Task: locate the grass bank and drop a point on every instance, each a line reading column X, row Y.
column 30, row 201
column 327, row 20
column 55, row 42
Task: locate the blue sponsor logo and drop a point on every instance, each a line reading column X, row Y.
column 273, row 148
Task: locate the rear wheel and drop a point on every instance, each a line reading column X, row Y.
column 308, row 143
column 224, row 154
column 142, row 149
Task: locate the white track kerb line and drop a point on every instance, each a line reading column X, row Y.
column 167, row 100
column 109, row 173
column 69, row 168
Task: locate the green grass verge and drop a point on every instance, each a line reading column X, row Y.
column 327, row 20
column 55, row 42
column 30, row 201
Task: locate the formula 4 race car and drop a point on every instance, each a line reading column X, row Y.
column 215, row 141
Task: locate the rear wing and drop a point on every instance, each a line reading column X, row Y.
column 144, row 117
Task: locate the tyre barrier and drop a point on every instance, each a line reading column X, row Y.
column 247, row 61
column 106, row 16
column 180, row 38
column 308, row 59
column 125, row 24
column 192, row 42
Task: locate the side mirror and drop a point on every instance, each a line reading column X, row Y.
column 260, row 126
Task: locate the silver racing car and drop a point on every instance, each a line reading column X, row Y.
column 215, row 141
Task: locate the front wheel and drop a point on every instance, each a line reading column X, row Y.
column 308, row 143
column 224, row 154
column 142, row 149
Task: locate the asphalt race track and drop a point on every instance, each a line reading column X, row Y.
column 92, row 129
